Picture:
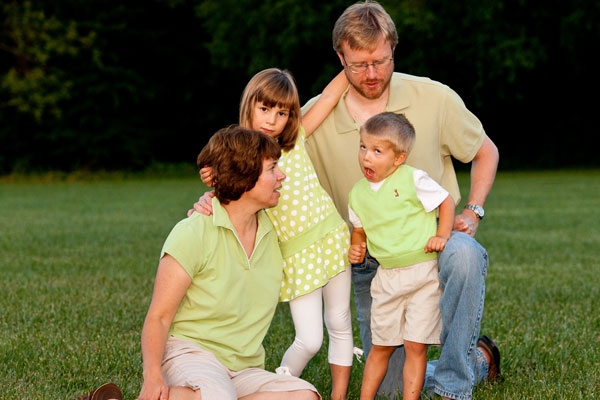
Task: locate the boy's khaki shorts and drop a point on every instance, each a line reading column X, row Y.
column 187, row 364
column 406, row 305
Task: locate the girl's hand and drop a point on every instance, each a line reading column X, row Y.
column 325, row 104
column 204, row 204
column 435, row 243
column 356, row 253
column 207, row 176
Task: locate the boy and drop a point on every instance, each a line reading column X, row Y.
column 393, row 213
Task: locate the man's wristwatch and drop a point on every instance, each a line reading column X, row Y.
column 478, row 210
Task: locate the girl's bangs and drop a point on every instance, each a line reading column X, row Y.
column 281, row 96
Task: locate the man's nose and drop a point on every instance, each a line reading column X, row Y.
column 371, row 71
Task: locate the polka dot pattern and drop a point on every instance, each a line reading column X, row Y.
column 302, row 205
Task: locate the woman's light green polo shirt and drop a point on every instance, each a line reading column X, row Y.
column 230, row 303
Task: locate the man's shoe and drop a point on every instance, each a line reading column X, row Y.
column 108, row 391
column 492, row 350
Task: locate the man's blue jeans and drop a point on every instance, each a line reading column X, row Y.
column 463, row 268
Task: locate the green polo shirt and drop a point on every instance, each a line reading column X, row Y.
column 231, row 300
column 444, row 128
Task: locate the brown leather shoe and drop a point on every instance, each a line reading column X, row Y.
column 491, row 349
column 108, row 391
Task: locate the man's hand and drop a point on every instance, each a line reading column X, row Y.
column 435, row 243
column 356, row 253
column 204, row 204
column 467, row 221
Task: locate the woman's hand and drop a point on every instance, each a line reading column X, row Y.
column 154, row 388
column 204, row 204
column 170, row 286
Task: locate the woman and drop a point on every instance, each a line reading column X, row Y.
column 217, row 285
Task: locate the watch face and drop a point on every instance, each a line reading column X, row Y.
column 476, row 209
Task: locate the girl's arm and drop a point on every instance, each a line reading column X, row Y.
column 170, row 286
column 325, row 104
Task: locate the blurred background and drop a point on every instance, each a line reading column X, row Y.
column 114, row 85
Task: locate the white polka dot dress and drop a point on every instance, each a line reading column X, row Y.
column 313, row 237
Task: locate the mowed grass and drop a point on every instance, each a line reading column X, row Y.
column 78, row 259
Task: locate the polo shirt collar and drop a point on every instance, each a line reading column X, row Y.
column 221, row 218
column 397, row 101
column 344, row 122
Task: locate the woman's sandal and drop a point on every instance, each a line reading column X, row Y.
column 108, row 391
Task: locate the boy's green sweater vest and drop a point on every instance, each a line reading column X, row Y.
column 396, row 224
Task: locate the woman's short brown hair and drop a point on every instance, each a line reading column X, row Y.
column 361, row 25
column 273, row 87
column 236, row 157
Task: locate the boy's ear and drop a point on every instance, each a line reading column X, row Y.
column 400, row 158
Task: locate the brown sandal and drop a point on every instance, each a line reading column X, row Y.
column 108, row 391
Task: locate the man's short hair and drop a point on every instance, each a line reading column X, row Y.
column 236, row 157
column 361, row 25
column 395, row 128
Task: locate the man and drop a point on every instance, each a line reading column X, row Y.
column 364, row 38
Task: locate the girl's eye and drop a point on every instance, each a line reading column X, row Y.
column 263, row 109
column 362, row 147
column 377, row 151
column 282, row 114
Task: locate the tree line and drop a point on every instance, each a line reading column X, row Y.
column 90, row 84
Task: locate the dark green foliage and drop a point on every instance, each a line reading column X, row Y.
column 107, row 84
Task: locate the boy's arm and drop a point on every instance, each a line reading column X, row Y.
column 358, row 246
column 446, row 218
column 325, row 104
column 445, row 223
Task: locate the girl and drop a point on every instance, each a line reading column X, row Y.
column 312, row 235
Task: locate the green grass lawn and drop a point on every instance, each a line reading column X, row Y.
column 78, row 259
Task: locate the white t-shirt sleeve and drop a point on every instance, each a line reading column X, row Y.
column 354, row 220
column 429, row 192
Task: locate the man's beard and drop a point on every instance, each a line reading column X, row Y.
column 371, row 95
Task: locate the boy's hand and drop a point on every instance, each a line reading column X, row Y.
column 356, row 253
column 204, row 204
column 435, row 243
column 207, row 176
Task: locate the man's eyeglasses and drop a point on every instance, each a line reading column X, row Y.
column 362, row 67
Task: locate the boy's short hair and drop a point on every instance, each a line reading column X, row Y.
column 395, row 128
column 362, row 24
column 236, row 157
